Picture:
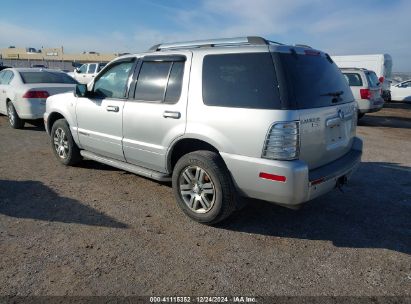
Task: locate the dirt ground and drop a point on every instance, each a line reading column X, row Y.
column 96, row 230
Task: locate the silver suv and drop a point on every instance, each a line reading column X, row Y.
column 222, row 119
column 366, row 89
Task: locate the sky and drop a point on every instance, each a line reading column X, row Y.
column 337, row 27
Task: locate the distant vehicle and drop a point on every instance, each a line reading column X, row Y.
column 23, row 92
column 39, row 66
column 381, row 64
column 87, row 72
column 401, row 91
column 366, row 89
column 220, row 119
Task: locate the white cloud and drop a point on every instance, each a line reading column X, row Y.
column 347, row 27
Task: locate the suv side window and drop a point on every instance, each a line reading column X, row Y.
column 245, row 80
column 353, row 79
column 159, row 81
column 83, row 69
column 92, row 68
column 113, row 82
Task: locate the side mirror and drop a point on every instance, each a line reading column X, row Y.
column 77, row 70
column 81, row 90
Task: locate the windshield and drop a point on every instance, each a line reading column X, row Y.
column 311, row 81
column 46, row 77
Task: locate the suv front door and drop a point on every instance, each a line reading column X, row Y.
column 99, row 116
column 155, row 114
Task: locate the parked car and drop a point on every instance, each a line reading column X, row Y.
column 39, row 66
column 366, row 89
column 86, row 73
column 23, row 92
column 219, row 118
column 401, row 91
column 381, row 64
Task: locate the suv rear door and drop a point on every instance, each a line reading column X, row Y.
column 155, row 113
column 326, row 106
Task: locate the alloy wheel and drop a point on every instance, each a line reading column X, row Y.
column 10, row 112
column 61, row 143
column 197, row 189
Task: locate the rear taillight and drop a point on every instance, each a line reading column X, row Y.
column 365, row 93
column 282, row 141
column 36, row 94
column 381, row 79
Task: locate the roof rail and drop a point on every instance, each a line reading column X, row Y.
column 304, row 46
column 354, row 68
column 250, row 40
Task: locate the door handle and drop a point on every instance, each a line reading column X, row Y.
column 171, row 114
column 112, row 109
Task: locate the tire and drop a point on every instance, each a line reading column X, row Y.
column 37, row 123
column 360, row 115
column 15, row 121
column 210, row 196
column 63, row 145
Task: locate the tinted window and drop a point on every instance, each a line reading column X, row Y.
column 92, row 68
column 83, row 68
column 174, row 83
column 353, row 79
column 152, row 81
column 113, row 82
column 372, row 78
column 1, row 76
column 244, row 80
column 46, row 77
column 312, row 80
column 6, row 77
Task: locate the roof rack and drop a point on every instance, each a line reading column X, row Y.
column 304, row 46
column 250, row 40
column 353, row 68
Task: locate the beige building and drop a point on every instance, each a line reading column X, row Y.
column 54, row 54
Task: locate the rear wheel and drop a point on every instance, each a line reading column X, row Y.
column 360, row 115
column 203, row 187
column 15, row 121
column 64, row 147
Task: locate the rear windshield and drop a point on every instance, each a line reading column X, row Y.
column 372, row 78
column 46, row 77
column 312, row 81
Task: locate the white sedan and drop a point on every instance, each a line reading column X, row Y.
column 23, row 92
column 401, row 91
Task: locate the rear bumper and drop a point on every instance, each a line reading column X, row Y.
column 30, row 108
column 369, row 106
column 301, row 184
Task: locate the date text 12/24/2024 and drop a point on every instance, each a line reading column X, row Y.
column 236, row 299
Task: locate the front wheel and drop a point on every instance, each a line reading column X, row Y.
column 15, row 121
column 203, row 187
column 64, row 147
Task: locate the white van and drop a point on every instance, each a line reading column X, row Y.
column 381, row 64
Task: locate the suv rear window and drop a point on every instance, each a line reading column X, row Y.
column 160, row 81
column 372, row 78
column 311, row 80
column 245, row 80
column 46, row 77
column 353, row 79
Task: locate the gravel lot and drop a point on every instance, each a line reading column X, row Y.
column 95, row 230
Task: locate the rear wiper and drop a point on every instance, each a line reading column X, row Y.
column 333, row 94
